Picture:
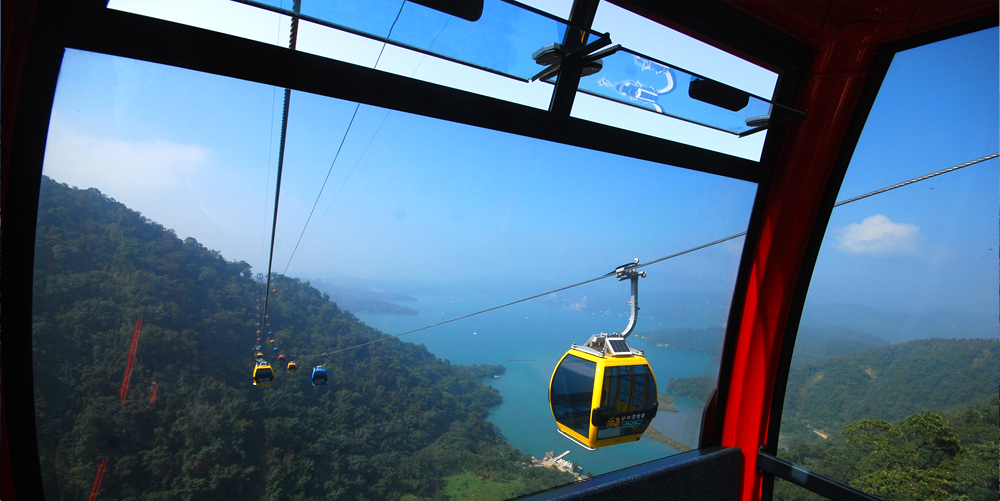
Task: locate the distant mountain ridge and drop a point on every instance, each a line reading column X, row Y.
column 358, row 300
column 811, row 344
column 901, row 327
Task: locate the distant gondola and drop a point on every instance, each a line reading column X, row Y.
column 281, row 359
column 262, row 373
column 292, row 367
column 319, row 376
column 604, row 393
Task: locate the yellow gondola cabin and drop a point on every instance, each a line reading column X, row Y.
column 262, row 373
column 604, row 392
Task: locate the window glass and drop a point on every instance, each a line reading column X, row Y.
column 657, row 41
column 224, row 16
column 894, row 380
column 493, row 56
column 626, row 388
column 572, row 392
column 153, row 244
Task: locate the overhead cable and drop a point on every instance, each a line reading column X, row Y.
column 323, row 186
column 664, row 258
column 339, row 148
column 292, row 36
column 917, row 179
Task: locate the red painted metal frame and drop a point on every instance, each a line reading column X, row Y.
column 846, row 37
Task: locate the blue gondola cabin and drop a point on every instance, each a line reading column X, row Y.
column 319, row 376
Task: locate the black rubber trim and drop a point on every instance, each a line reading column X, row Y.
column 613, row 485
column 810, row 480
column 88, row 25
column 726, row 27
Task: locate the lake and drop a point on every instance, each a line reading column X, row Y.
column 529, row 339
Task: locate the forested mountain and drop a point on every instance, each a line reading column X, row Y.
column 393, row 423
column 952, row 456
column 889, row 382
column 813, row 344
column 918, row 420
column 901, row 327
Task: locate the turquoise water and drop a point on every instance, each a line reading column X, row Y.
column 529, row 339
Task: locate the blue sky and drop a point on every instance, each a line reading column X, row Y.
column 431, row 200
column 931, row 245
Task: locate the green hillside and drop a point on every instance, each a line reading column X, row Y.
column 889, row 382
column 813, row 344
column 950, row 456
column 395, row 422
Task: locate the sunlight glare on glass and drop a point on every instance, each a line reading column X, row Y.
column 223, row 16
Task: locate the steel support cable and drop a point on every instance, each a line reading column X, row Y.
column 339, row 148
column 348, row 178
column 379, row 128
column 664, row 258
column 322, row 187
column 267, row 175
column 292, row 36
column 270, row 150
column 917, row 179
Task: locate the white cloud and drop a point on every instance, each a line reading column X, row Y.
column 878, row 236
column 114, row 164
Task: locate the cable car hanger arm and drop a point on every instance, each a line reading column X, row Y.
column 631, row 272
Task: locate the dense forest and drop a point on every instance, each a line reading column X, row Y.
column 952, row 456
column 395, row 422
column 889, row 383
column 917, row 420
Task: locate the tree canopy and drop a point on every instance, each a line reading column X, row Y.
column 393, row 423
